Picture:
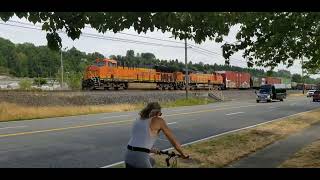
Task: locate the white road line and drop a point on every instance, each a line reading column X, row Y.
column 209, row 106
column 13, row 127
column 113, row 117
column 172, row 123
column 217, row 135
column 272, row 107
column 234, row 113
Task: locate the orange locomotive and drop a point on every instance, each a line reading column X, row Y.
column 106, row 74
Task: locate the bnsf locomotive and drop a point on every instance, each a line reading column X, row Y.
column 106, row 74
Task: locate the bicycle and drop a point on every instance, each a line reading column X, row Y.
column 171, row 155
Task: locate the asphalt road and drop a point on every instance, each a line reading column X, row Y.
column 100, row 140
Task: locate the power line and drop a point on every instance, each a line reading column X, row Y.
column 103, row 37
column 146, row 37
column 212, row 52
column 124, row 40
column 197, row 49
column 210, row 55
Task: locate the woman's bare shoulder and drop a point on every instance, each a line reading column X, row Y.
column 158, row 120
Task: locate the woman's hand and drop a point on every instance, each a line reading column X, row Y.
column 184, row 156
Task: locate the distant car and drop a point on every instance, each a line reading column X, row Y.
column 316, row 96
column 310, row 93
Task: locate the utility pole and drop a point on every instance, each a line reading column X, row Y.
column 62, row 66
column 61, row 69
column 186, row 62
column 302, row 76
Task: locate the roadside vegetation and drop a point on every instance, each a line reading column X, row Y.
column 12, row 111
column 308, row 157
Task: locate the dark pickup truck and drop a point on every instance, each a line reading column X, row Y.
column 270, row 92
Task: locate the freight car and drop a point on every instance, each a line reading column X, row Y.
column 306, row 86
column 235, row 80
column 106, row 74
column 272, row 80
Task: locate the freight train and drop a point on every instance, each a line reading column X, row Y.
column 106, row 74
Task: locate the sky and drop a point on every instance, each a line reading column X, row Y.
column 108, row 47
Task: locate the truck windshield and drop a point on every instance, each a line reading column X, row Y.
column 264, row 91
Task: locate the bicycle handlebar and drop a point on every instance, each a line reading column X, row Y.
column 170, row 155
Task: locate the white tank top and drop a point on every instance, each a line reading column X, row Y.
column 140, row 135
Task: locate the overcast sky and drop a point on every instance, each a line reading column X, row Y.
column 107, row 47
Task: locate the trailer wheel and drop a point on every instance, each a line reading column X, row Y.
column 258, row 101
column 281, row 99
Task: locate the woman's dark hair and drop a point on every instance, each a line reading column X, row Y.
column 153, row 106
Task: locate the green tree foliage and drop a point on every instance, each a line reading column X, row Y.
column 296, row 78
column 39, row 81
column 270, row 38
column 74, row 80
column 182, row 25
column 27, row 60
column 284, row 73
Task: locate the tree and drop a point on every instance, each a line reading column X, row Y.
column 182, row 25
column 74, row 80
column 148, row 56
column 130, row 54
column 296, row 78
column 270, row 38
column 284, row 73
column 39, row 81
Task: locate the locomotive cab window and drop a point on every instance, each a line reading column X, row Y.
column 101, row 63
column 111, row 64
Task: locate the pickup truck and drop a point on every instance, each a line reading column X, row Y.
column 270, row 92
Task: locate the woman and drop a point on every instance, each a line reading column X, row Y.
column 145, row 132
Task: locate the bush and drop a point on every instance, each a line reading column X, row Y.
column 74, row 80
column 40, row 81
column 25, row 84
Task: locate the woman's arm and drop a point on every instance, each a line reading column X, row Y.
column 167, row 131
